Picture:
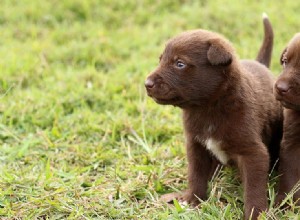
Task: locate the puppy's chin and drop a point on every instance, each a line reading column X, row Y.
column 176, row 101
column 290, row 105
column 288, row 101
column 170, row 98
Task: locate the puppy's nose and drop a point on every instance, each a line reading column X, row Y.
column 282, row 87
column 149, row 83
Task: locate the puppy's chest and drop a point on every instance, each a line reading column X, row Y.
column 215, row 147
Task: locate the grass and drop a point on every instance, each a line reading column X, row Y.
column 79, row 139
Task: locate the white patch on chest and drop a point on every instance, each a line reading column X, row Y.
column 214, row 147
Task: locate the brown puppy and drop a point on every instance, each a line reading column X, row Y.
column 287, row 90
column 230, row 114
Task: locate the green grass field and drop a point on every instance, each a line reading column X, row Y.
column 79, row 138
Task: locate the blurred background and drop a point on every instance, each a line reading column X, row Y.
column 79, row 139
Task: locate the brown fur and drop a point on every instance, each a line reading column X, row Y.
column 228, row 110
column 287, row 90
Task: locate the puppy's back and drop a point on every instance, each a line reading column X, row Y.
column 260, row 72
column 262, row 83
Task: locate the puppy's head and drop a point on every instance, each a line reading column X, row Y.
column 287, row 86
column 192, row 68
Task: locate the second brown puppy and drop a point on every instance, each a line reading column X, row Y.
column 287, row 90
column 230, row 115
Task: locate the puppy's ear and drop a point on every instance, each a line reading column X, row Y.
column 218, row 54
column 283, row 56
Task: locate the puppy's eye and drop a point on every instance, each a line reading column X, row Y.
column 180, row 64
column 160, row 57
column 284, row 62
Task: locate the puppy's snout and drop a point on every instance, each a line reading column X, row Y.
column 282, row 87
column 149, row 83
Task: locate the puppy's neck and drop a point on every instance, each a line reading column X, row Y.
column 226, row 103
column 223, row 100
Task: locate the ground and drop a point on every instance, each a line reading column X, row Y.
column 79, row 138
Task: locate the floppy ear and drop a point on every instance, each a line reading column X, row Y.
column 218, row 54
column 283, row 56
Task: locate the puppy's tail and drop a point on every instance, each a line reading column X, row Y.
column 265, row 52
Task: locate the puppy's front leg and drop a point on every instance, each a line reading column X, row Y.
column 254, row 168
column 201, row 166
column 289, row 171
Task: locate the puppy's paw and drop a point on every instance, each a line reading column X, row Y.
column 168, row 198
column 190, row 198
column 183, row 198
column 279, row 199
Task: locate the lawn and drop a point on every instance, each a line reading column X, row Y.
column 79, row 138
